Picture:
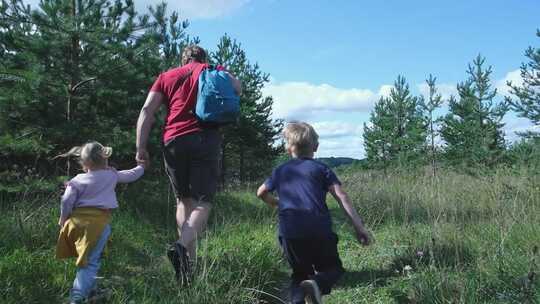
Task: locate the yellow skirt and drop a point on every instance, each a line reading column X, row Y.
column 81, row 232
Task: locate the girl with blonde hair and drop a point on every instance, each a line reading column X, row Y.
column 85, row 216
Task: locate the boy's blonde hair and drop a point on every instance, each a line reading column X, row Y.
column 301, row 138
column 90, row 154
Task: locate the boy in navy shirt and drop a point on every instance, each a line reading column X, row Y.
column 305, row 226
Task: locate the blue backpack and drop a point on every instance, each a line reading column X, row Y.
column 217, row 101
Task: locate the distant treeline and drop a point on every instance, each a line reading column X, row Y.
column 334, row 162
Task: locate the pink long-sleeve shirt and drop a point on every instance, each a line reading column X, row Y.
column 96, row 189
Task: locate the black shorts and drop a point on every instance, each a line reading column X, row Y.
column 192, row 164
column 313, row 258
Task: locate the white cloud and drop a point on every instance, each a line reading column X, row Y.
column 444, row 89
column 514, row 77
column 343, row 147
column 336, row 129
column 385, row 90
column 514, row 125
column 297, row 100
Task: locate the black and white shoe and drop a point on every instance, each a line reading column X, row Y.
column 311, row 291
column 177, row 254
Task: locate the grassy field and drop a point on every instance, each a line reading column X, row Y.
column 454, row 239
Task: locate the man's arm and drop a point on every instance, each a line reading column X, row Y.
column 145, row 122
column 265, row 195
column 342, row 198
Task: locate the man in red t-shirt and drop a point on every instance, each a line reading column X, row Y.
column 191, row 152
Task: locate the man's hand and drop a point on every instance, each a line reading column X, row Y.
column 142, row 157
column 144, row 163
column 363, row 236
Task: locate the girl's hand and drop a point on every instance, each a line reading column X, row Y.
column 144, row 163
column 61, row 222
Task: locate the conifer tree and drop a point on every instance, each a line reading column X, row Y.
column 527, row 97
column 434, row 101
column 397, row 132
column 75, row 70
column 248, row 146
column 472, row 129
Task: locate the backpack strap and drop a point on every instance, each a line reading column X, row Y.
column 183, row 78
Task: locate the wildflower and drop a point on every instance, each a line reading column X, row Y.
column 419, row 253
column 407, row 270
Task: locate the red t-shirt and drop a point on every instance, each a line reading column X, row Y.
column 180, row 91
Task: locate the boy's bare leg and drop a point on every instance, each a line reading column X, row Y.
column 191, row 217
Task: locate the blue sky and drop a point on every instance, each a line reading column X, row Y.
column 330, row 61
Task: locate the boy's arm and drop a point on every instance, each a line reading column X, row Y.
column 342, row 198
column 266, row 196
column 131, row 175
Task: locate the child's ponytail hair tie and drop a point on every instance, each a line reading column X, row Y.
column 106, row 152
column 75, row 151
column 92, row 153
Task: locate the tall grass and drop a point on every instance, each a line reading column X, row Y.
column 236, row 256
column 457, row 238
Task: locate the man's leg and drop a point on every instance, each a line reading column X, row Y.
column 191, row 217
column 184, row 206
column 203, row 179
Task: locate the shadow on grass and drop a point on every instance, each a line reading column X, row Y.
column 454, row 255
column 374, row 277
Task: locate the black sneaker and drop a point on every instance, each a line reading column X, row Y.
column 99, row 294
column 177, row 254
column 175, row 261
column 311, row 291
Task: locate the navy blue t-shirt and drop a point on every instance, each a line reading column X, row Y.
column 301, row 185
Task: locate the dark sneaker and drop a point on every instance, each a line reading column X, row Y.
column 311, row 291
column 99, row 294
column 175, row 261
column 77, row 300
column 177, row 254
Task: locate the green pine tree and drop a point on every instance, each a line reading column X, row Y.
column 527, row 96
column 248, row 147
column 78, row 70
column 472, row 129
column 397, row 132
column 434, row 101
